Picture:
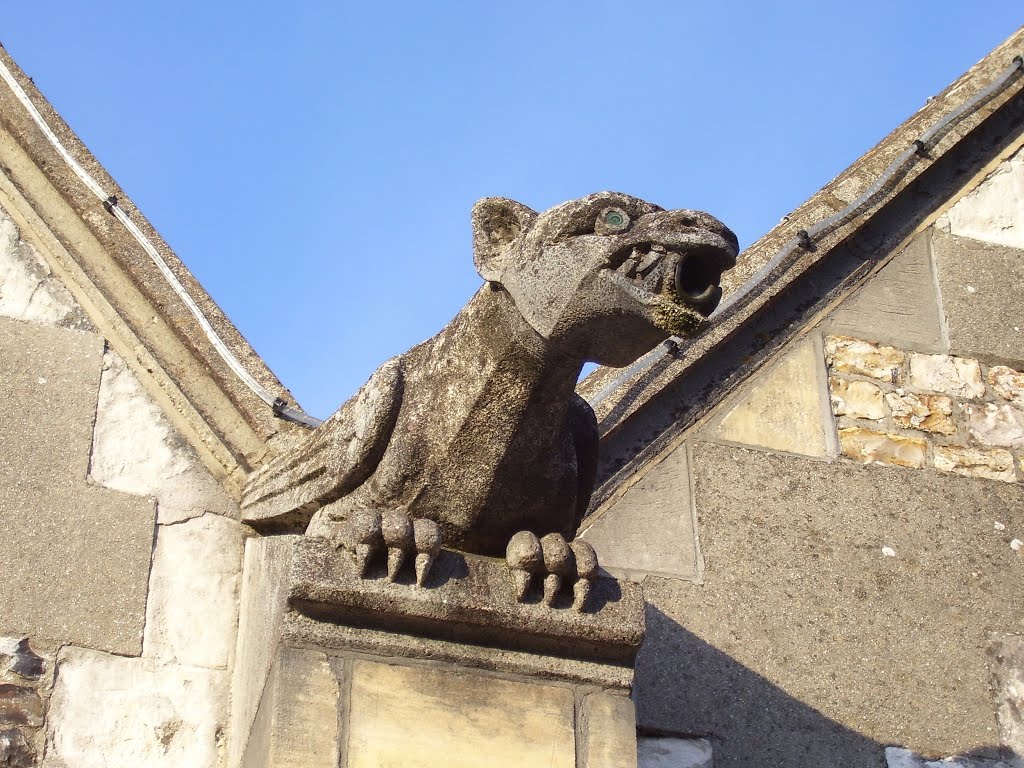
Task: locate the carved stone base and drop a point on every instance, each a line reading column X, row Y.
column 337, row 670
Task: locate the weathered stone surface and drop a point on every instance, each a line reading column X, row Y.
column 109, row 710
column 857, row 399
column 20, row 705
column 513, row 448
column 467, row 598
column 991, row 464
column 782, row 409
column 28, row 289
column 670, row 752
column 947, row 374
column 18, row 657
column 136, row 450
column 1006, row 654
column 847, row 355
column 297, row 722
column 15, row 752
column 1007, row 383
column 260, row 615
column 192, row 611
column 418, row 717
column 608, row 731
column 796, row 647
column 928, row 413
column 897, row 306
column 994, row 212
column 650, row 528
column 78, row 555
column 992, row 424
column 897, row 757
column 869, row 447
column 982, row 291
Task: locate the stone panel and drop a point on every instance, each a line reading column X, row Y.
column 782, row 409
column 77, row 556
column 806, row 643
column 670, row 752
column 192, row 611
column 994, row 212
column 28, row 289
column 297, row 722
column 418, row 717
column 897, row 306
column 112, row 711
column 136, row 450
column 650, row 528
column 261, row 611
column 982, row 293
column 1006, row 652
column 608, row 728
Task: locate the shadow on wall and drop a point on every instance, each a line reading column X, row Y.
column 750, row 721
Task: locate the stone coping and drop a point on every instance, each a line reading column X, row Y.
column 467, row 599
column 630, row 396
column 128, row 298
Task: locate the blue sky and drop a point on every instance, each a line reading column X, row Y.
column 314, row 163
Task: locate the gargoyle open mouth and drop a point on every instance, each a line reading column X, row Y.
column 688, row 275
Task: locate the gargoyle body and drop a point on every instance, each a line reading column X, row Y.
column 479, row 428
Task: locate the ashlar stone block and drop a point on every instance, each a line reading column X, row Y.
column 994, row 212
column 79, row 555
column 418, row 717
column 782, row 409
column 650, row 528
column 608, row 731
column 192, row 611
column 114, row 711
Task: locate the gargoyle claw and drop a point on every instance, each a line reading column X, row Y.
column 525, row 558
column 366, row 529
column 573, row 563
column 586, row 570
column 399, row 538
column 559, row 562
column 428, row 539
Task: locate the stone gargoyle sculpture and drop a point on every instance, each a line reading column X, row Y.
column 477, row 434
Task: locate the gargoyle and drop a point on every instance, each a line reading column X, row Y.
column 479, row 429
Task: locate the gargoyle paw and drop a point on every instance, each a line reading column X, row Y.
column 561, row 563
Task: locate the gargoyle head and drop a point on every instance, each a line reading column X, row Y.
column 607, row 276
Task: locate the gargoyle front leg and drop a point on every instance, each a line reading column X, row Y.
column 559, row 563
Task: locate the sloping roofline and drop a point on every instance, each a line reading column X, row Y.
column 642, row 408
column 132, row 303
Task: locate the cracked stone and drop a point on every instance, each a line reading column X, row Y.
column 848, row 355
column 950, row 375
column 995, row 464
column 929, row 413
column 857, row 399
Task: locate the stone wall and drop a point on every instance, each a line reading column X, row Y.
column 121, row 554
column 833, row 558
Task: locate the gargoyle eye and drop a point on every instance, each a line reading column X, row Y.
column 611, row 220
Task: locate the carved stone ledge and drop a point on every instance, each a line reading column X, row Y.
column 467, row 599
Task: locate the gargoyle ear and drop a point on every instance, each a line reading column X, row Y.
column 497, row 222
